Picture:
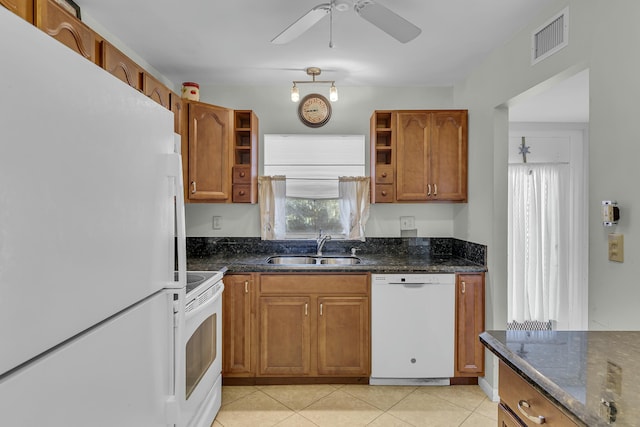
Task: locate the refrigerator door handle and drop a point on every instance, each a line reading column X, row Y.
column 175, row 168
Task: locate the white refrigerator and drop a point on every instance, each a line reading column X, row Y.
column 88, row 186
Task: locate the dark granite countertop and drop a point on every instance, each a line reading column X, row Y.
column 588, row 373
column 416, row 255
column 369, row 263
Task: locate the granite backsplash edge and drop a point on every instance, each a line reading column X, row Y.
column 202, row 247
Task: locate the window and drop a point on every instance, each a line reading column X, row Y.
column 312, row 197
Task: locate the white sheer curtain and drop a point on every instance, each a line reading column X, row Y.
column 354, row 205
column 272, row 199
column 536, row 259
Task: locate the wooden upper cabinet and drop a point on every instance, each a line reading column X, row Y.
column 22, row 8
column 469, row 358
column 449, row 156
column 419, row 156
column 155, row 90
column 118, row 64
column 412, row 158
column 61, row 25
column 210, row 130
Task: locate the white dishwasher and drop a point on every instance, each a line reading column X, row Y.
column 412, row 328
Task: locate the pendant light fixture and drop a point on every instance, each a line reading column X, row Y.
column 314, row 71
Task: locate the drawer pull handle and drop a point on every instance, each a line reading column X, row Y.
column 428, row 190
column 320, row 309
column 384, row 193
column 306, row 309
column 241, row 192
column 384, row 174
column 537, row 420
column 464, row 287
column 193, row 187
column 242, row 174
column 435, row 189
column 246, row 286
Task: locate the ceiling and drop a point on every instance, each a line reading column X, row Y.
column 228, row 42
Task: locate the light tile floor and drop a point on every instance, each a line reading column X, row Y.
column 355, row 405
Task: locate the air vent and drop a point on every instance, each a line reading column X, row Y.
column 550, row 37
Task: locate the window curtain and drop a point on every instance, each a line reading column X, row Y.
column 272, row 199
column 354, row 205
column 535, row 220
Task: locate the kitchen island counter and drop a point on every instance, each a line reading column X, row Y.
column 593, row 376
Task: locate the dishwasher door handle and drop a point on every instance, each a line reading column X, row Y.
column 412, row 285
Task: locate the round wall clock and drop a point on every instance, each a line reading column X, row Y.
column 314, row 110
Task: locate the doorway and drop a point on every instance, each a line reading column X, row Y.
column 548, row 197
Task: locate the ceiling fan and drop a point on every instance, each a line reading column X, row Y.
column 383, row 18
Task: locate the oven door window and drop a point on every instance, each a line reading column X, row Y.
column 200, row 353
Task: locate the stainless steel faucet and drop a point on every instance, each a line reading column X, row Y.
column 320, row 242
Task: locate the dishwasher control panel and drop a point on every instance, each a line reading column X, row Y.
column 419, row 278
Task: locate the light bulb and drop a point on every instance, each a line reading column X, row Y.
column 295, row 93
column 333, row 93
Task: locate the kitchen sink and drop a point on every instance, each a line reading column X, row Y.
column 313, row 260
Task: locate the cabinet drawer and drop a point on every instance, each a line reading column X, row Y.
column 384, row 174
column 314, row 283
column 514, row 389
column 242, row 174
column 384, row 193
column 241, row 193
column 506, row 418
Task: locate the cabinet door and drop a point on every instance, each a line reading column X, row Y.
column 65, row 28
column 118, row 64
column 155, row 90
column 22, row 8
column 285, row 337
column 412, row 160
column 238, row 325
column 209, row 141
column 343, row 336
column 469, row 324
column 448, row 156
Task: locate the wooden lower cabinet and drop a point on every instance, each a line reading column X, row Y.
column 514, row 391
column 506, row 418
column 314, row 326
column 343, row 336
column 469, row 351
column 285, row 336
column 238, row 325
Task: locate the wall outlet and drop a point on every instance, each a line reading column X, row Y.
column 407, row 223
column 217, row 222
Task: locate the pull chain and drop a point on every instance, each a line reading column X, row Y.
column 331, row 24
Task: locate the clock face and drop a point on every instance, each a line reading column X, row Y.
column 314, row 110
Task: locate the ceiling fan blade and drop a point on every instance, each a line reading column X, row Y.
column 387, row 20
column 305, row 22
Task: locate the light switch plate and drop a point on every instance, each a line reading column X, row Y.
column 616, row 247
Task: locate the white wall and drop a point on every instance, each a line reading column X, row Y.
column 603, row 37
column 350, row 115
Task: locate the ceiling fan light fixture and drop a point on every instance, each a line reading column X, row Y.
column 295, row 93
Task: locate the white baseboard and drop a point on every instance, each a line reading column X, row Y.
column 492, row 393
